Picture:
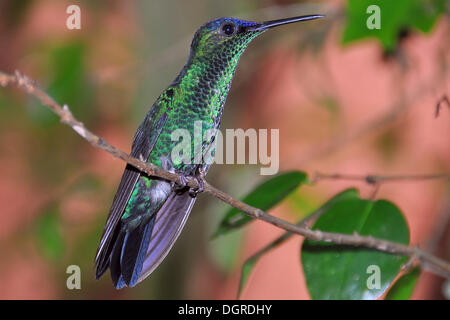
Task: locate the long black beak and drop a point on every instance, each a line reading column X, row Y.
column 275, row 23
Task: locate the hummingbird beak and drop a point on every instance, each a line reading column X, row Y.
column 275, row 23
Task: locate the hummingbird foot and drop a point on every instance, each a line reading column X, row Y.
column 200, row 178
column 181, row 185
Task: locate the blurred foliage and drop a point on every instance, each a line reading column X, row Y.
column 16, row 12
column 225, row 250
column 396, row 17
column 48, row 234
column 342, row 272
column 68, row 84
column 387, row 142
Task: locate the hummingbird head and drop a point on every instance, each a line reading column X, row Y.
column 228, row 37
column 217, row 47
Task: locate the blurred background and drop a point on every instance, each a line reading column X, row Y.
column 346, row 100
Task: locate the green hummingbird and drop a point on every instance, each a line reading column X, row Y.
column 148, row 213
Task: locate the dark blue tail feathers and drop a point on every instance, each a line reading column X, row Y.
column 129, row 253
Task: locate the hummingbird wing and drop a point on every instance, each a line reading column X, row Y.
column 169, row 223
column 143, row 143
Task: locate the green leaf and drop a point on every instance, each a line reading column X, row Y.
column 48, row 235
column 395, row 16
column 265, row 196
column 247, row 268
column 344, row 272
column 249, row 264
column 224, row 251
column 87, row 182
column 404, row 287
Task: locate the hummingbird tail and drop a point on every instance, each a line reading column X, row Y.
column 129, row 253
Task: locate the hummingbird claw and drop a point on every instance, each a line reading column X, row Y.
column 182, row 184
column 200, row 178
column 193, row 192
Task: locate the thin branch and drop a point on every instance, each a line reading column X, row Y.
column 426, row 260
column 443, row 100
column 378, row 179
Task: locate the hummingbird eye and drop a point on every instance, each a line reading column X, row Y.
column 228, row 29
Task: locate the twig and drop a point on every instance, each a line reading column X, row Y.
column 441, row 101
column 427, row 260
column 378, row 179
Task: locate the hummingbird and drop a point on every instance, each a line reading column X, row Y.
column 148, row 213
